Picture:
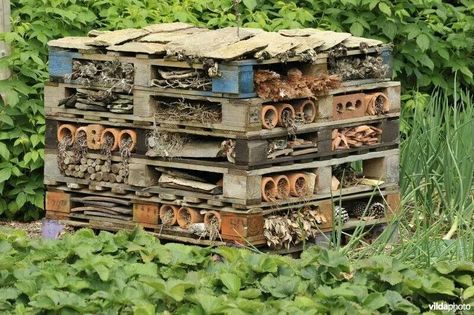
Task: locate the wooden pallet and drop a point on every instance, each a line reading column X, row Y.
column 235, row 80
column 239, row 118
column 253, row 154
column 239, row 188
column 235, row 227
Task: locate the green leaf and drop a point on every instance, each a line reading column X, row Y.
column 357, row 29
column 232, row 282
column 21, row 199
column 4, row 152
column 7, row 120
column 5, row 174
column 385, row 8
column 144, row 309
column 443, row 53
column 468, row 293
column 423, row 41
column 374, row 301
column 250, row 4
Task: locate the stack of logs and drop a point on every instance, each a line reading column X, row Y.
column 94, row 169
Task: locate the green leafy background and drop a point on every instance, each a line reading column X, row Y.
column 433, row 40
column 132, row 273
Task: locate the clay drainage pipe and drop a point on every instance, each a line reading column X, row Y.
column 169, row 214
column 213, row 218
column 283, row 186
column 377, row 103
column 113, row 134
column 81, row 132
column 94, row 133
column 128, row 135
column 307, row 109
column 187, row 216
column 298, row 184
column 286, row 113
column 67, row 130
column 268, row 189
column 269, row 116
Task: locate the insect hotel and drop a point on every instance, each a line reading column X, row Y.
column 228, row 136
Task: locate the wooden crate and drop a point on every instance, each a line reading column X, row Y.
column 235, row 80
column 253, row 154
column 239, row 227
column 240, row 117
column 241, row 189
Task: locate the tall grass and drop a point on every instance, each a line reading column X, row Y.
column 437, row 184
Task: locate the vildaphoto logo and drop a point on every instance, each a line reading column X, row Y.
column 449, row 307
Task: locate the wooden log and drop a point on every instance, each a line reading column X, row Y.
column 115, row 168
column 90, row 170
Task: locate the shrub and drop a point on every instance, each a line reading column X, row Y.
column 132, row 273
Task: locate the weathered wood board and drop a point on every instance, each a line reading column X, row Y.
column 72, row 42
column 166, row 37
column 118, row 37
column 329, row 38
column 355, row 42
column 200, row 44
column 167, row 27
column 139, row 47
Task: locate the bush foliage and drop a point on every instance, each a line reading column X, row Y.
column 433, row 41
column 132, row 273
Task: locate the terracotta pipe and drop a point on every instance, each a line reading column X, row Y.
column 166, row 218
column 94, row 132
column 210, row 215
column 281, row 110
column 80, row 130
column 187, row 216
column 283, row 186
column 269, row 116
column 127, row 133
column 67, row 130
column 114, row 133
column 268, row 189
column 307, row 109
column 371, row 99
column 298, row 184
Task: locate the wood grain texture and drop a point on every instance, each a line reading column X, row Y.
column 71, row 42
column 118, row 37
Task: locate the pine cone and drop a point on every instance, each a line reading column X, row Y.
column 376, row 210
column 341, row 215
column 357, row 209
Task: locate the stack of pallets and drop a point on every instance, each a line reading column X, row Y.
column 221, row 136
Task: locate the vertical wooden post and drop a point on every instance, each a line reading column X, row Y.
column 4, row 27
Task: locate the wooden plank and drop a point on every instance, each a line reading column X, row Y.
column 108, row 215
column 107, row 199
column 355, row 42
column 138, row 47
column 146, row 213
column 118, row 37
column 199, row 44
column 167, row 27
column 277, row 44
column 58, row 201
column 315, row 164
column 71, row 42
column 238, row 49
column 166, row 37
column 329, row 38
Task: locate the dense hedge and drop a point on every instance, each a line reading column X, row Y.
column 433, row 39
column 130, row 273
